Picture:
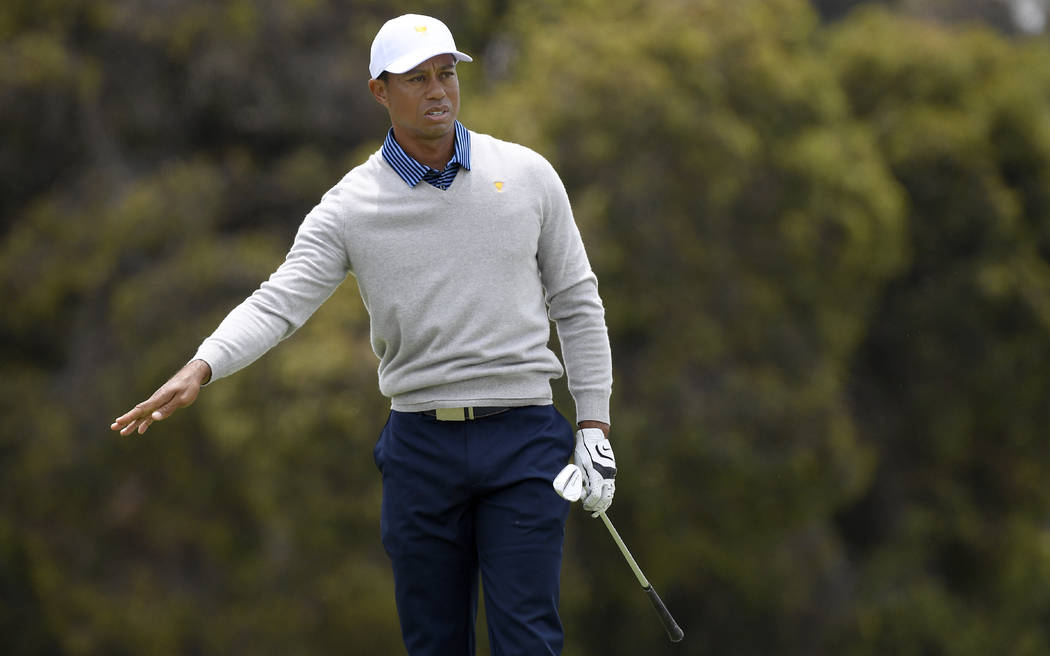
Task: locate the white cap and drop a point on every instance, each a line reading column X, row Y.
column 407, row 40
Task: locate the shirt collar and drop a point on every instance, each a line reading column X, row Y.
column 412, row 171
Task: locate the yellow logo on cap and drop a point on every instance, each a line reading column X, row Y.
column 499, row 185
column 421, row 28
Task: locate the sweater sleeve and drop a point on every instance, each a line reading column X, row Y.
column 571, row 290
column 314, row 267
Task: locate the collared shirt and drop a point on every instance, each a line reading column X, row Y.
column 412, row 172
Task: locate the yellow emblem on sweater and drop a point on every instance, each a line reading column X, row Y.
column 499, row 185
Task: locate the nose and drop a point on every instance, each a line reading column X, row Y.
column 435, row 90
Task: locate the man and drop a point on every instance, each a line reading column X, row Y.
column 463, row 248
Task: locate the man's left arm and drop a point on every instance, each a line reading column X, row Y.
column 571, row 290
column 579, row 317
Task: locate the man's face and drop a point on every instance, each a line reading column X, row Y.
column 424, row 102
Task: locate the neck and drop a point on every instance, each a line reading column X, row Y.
column 434, row 153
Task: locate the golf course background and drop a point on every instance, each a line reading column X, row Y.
column 822, row 240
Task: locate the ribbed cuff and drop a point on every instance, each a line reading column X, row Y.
column 592, row 407
column 212, row 356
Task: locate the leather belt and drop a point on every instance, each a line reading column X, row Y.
column 464, row 414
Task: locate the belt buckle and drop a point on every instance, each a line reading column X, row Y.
column 454, row 414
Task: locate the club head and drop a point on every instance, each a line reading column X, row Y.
column 569, row 483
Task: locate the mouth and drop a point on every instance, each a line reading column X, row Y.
column 437, row 113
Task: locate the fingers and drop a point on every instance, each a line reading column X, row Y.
column 141, row 417
column 126, row 427
column 143, row 425
column 601, row 504
column 607, row 498
column 598, row 494
column 134, row 420
column 165, row 411
column 127, row 421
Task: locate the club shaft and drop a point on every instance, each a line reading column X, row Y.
column 644, row 582
column 674, row 632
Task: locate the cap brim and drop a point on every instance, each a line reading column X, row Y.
column 407, row 62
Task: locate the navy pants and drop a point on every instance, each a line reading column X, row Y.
column 470, row 497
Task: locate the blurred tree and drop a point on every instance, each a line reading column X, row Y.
column 1007, row 16
column 951, row 382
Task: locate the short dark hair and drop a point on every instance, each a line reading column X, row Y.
column 383, row 76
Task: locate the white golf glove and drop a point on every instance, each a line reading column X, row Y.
column 594, row 456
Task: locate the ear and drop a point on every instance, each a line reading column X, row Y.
column 378, row 89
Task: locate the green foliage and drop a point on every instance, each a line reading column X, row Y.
column 951, row 378
column 824, row 252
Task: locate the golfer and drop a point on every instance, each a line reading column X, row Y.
column 464, row 248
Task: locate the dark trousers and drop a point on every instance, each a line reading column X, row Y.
column 461, row 498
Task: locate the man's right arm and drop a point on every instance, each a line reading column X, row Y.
column 316, row 264
column 180, row 391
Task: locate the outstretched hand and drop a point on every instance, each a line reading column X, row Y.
column 180, row 391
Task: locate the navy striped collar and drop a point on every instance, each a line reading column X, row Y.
column 413, row 172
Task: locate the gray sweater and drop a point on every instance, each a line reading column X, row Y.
column 458, row 285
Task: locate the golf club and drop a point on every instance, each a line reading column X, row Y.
column 569, row 485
